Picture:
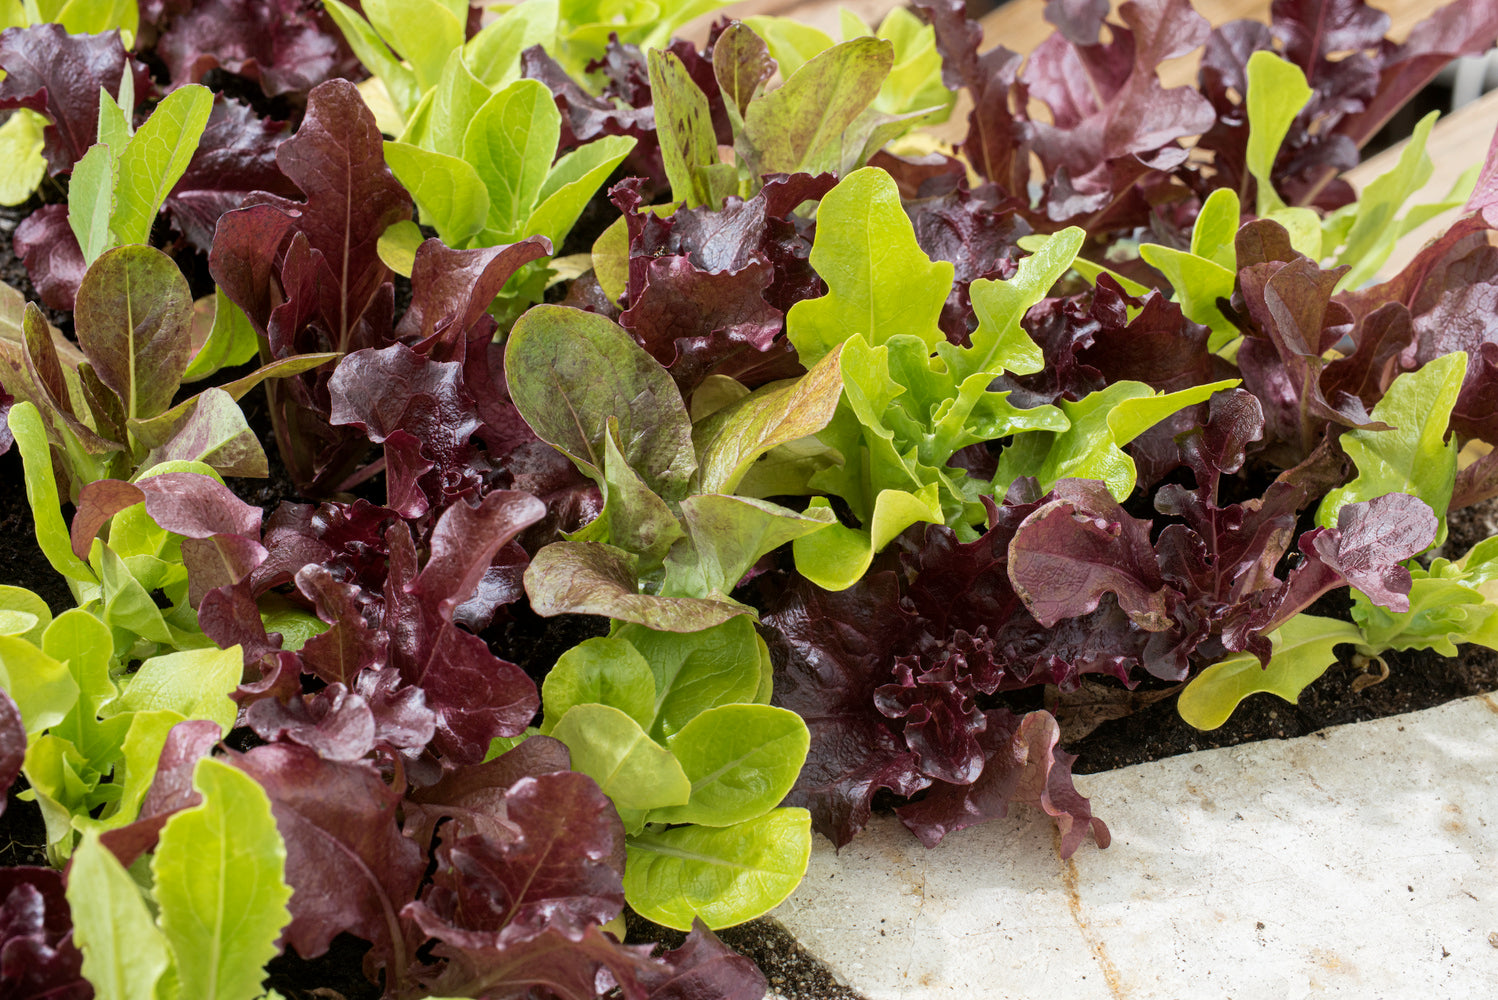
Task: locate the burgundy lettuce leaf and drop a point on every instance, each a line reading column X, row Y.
column 170, row 792
column 60, row 76
column 450, row 289
column 973, row 618
column 472, row 801
column 999, row 137
column 476, row 696
column 308, row 274
column 832, row 651
column 46, row 245
column 235, row 157
column 941, row 720
column 702, row 967
column 977, row 231
column 395, row 390
column 556, row 865
column 37, row 954
column 1366, row 549
column 287, row 46
column 334, row 723
column 349, row 867
column 1081, row 545
column 1023, row 764
column 586, row 117
column 1443, row 301
column 12, row 744
column 708, row 289
column 1293, row 321
column 355, row 641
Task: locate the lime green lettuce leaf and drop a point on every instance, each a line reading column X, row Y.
column 1303, row 651
column 1413, row 456
column 724, row 875
column 1277, row 90
column 219, row 895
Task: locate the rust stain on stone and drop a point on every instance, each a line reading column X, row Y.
column 1094, row 942
column 1492, row 705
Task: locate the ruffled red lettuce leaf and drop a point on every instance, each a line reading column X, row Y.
column 37, row 954
column 472, row 801
column 1294, row 321
column 708, row 290
column 1023, row 763
column 46, row 245
column 977, row 231
column 308, row 273
column 348, row 865
column 832, row 651
column 235, row 157
column 287, row 46
column 60, row 75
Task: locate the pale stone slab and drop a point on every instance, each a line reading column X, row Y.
column 1361, row 861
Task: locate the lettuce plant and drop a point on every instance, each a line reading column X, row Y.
column 94, row 406
column 217, row 900
column 913, row 399
column 93, row 738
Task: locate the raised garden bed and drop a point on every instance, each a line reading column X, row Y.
column 622, row 461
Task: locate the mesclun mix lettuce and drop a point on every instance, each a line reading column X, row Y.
column 693, row 459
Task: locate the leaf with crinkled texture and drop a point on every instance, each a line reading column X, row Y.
column 1368, row 548
column 831, row 651
column 45, row 243
column 40, row 957
column 597, row 579
column 1024, row 764
column 349, row 868
column 1071, row 551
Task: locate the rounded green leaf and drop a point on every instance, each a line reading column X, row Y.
column 40, row 686
column 742, row 761
column 696, row 671
column 724, row 875
column 23, row 614
column 632, row 769
column 604, row 671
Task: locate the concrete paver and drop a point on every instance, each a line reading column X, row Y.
column 1361, row 862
